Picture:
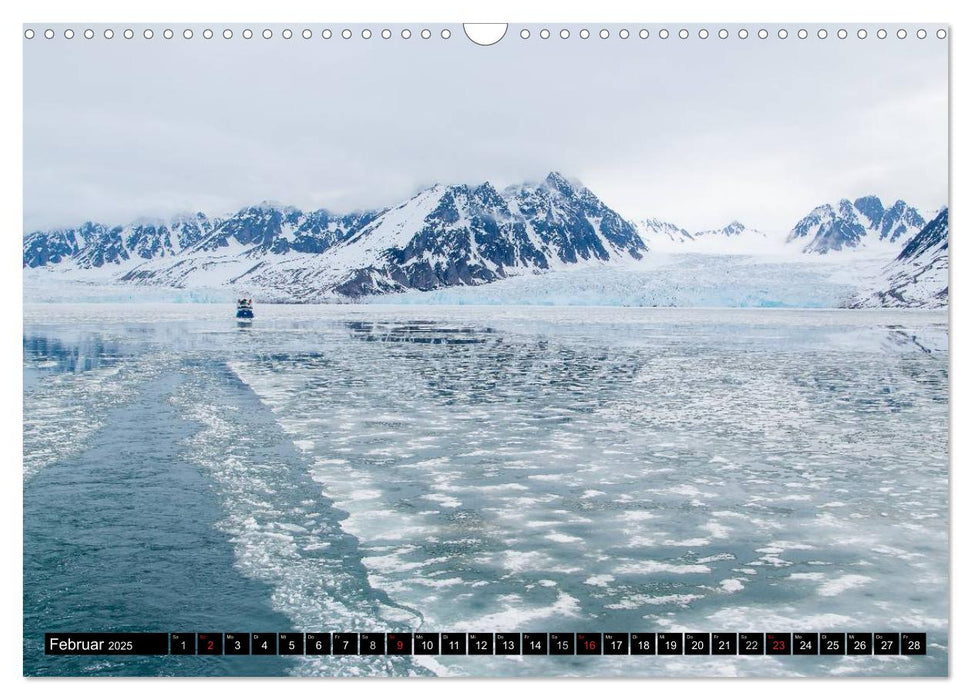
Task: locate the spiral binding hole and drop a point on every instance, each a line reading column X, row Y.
column 564, row 33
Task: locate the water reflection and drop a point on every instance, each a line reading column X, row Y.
column 46, row 355
column 931, row 339
column 420, row 332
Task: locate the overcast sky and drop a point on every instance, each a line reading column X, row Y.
column 698, row 132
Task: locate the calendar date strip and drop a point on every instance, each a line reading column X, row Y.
column 485, row 643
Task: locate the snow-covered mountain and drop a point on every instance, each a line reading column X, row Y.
column 738, row 239
column 733, row 239
column 58, row 245
column 243, row 244
column 662, row 235
column 863, row 223
column 918, row 276
column 94, row 245
column 258, row 230
column 271, row 228
column 469, row 235
column 732, row 230
column 452, row 235
column 445, row 235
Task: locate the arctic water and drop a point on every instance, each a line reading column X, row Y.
column 370, row 468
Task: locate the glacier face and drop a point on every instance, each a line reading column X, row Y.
column 881, row 256
column 684, row 280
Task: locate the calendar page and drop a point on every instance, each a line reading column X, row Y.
column 590, row 350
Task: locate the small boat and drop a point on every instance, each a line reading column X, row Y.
column 244, row 310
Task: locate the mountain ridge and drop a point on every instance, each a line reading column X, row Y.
column 444, row 235
column 860, row 223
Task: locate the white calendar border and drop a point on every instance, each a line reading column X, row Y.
column 434, row 11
